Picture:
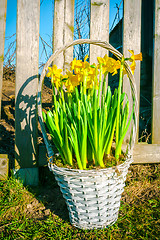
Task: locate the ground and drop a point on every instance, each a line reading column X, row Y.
column 142, row 185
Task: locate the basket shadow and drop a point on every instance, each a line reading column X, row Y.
column 48, row 192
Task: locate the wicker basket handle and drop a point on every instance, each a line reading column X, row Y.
column 102, row 44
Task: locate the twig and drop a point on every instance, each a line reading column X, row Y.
column 7, row 38
column 45, row 42
column 118, row 7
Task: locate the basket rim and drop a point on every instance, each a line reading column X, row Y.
column 72, row 171
column 99, row 43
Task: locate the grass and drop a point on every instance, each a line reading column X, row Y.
column 24, row 216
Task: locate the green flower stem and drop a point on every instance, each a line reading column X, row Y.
column 119, row 146
column 70, row 100
column 118, row 104
column 95, row 121
column 84, row 83
column 109, row 143
column 100, row 84
column 74, row 142
column 68, row 151
column 84, row 138
column 63, row 100
column 81, row 90
column 104, row 89
column 53, row 90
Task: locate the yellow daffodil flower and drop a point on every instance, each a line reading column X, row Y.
column 101, row 60
column 76, row 65
column 132, row 59
column 91, row 82
column 72, row 81
column 109, row 64
column 53, row 70
column 135, row 57
column 115, row 66
column 55, row 75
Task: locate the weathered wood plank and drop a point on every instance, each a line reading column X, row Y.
column 63, row 26
column 99, row 27
column 3, row 7
column 156, row 77
column 146, row 153
column 42, row 156
column 3, row 166
column 68, row 31
column 58, row 26
column 142, row 154
column 29, row 176
column 27, row 53
column 132, row 41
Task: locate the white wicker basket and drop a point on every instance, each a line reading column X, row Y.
column 92, row 196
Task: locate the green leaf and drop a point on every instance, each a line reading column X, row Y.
column 44, row 116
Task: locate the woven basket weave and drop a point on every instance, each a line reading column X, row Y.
column 92, row 196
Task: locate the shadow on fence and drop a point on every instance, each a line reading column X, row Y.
column 26, row 126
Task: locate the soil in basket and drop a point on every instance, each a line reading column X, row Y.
column 109, row 161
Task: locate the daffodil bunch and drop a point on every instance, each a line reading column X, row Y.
column 86, row 117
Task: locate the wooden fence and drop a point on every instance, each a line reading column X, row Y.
column 28, row 12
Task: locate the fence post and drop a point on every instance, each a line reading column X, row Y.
column 156, row 77
column 63, row 29
column 27, row 53
column 132, row 41
column 3, row 7
column 99, row 27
